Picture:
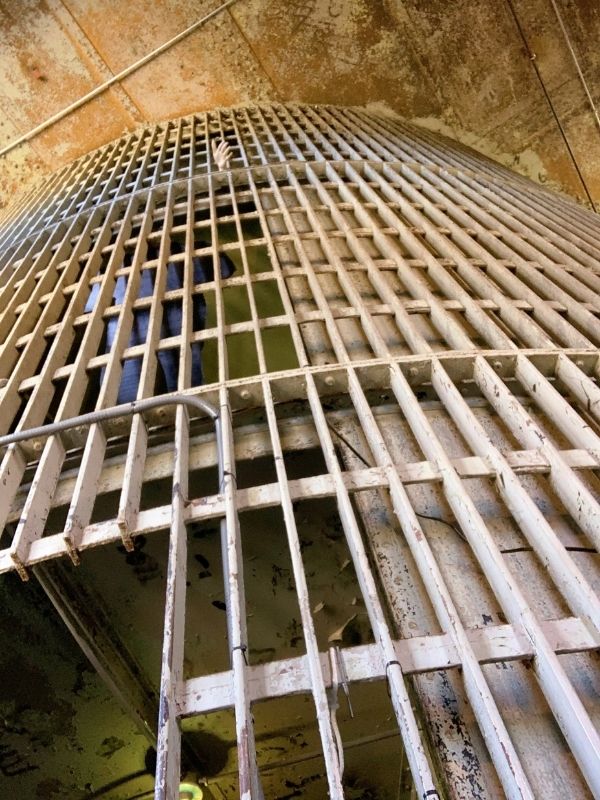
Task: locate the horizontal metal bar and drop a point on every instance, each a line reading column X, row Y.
column 421, row 654
column 268, row 496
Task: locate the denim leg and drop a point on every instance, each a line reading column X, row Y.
column 169, row 359
column 171, row 326
column 199, row 320
column 132, row 367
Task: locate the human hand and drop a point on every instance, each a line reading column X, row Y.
column 221, row 153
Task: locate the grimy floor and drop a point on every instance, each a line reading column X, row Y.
column 390, row 380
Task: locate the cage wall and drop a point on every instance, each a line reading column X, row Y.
column 422, row 325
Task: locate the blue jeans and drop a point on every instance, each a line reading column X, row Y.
column 171, row 322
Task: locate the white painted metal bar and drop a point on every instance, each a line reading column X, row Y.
column 568, row 709
column 169, row 735
column 38, row 503
column 506, row 760
column 415, row 749
column 575, row 495
column 233, row 576
column 314, row 665
column 418, row 655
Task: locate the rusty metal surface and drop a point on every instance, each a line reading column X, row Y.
column 463, row 68
column 423, row 324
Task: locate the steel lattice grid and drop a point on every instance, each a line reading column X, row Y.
column 382, row 250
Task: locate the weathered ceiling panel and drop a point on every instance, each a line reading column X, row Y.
column 43, row 68
column 497, row 76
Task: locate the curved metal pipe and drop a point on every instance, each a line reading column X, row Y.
column 99, row 416
column 125, row 410
column 105, row 414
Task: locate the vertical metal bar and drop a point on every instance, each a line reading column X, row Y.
column 577, row 498
column 222, row 362
column 260, row 352
column 184, row 378
column 233, row 575
column 496, row 736
column 37, row 505
column 169, row 734
column 405, row 716
column 328, row 740
column 568, row 709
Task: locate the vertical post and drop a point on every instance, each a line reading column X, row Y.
column 169, row 734
column 233, row 576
